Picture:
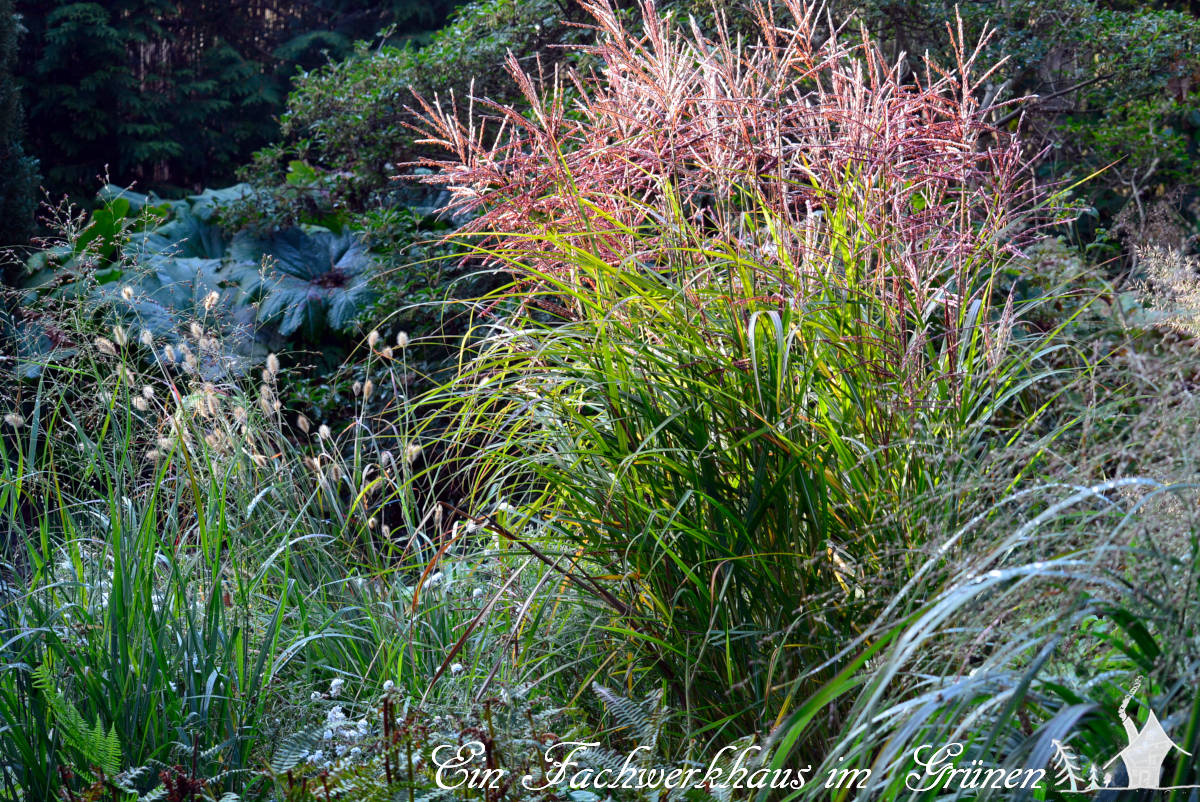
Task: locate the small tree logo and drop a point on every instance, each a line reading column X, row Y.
column 1066, row 767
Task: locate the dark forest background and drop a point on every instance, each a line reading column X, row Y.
column 174, row 94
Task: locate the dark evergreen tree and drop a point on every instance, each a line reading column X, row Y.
column 178, row 93
column 18, row 174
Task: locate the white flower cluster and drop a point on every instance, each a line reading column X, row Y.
column 341, row 732
column 338, row 725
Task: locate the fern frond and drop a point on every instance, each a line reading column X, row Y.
column 643, row 719
column 95, row 745
column 295, row 748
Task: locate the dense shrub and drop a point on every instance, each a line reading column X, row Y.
column 351, row 116
column 1114, row 88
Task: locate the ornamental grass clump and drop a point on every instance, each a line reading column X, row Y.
column 753, row 343
column 805, row 148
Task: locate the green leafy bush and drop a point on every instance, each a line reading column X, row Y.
column 351, row 117
column 1111, row 87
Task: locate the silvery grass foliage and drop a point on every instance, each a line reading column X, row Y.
column 754, row 345
column 1020, row 638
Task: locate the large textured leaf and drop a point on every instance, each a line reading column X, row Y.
column 303, row 280
column 186, row 235
column 308, row 255
column 207, row 203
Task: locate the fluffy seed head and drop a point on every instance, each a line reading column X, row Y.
column 402, row 340
column 272, row 364
column 105, row 346
column 302, row 424
column 411, row 453
column 120, row 336
column 146, row 338
column 373, row 338
column 127, row 292
column 323, row 432
column 15, row 420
